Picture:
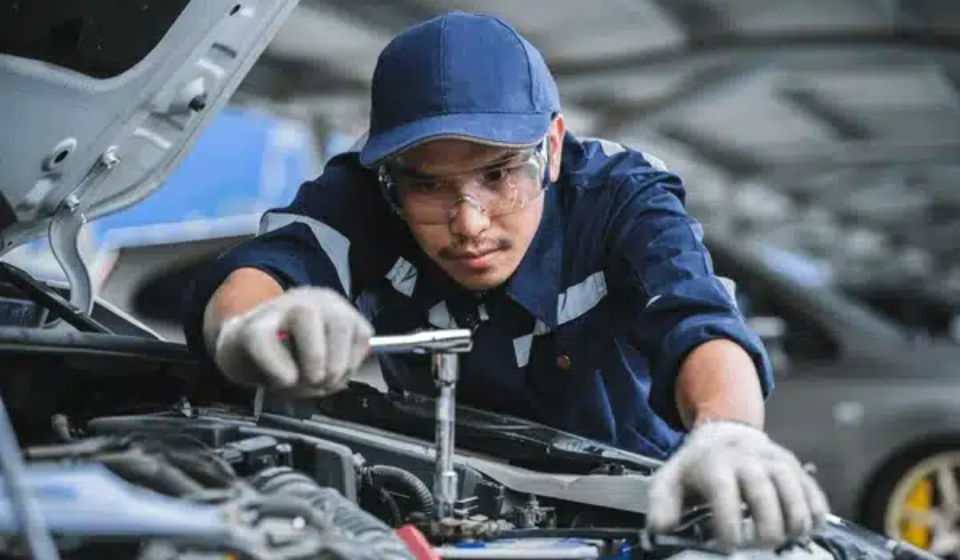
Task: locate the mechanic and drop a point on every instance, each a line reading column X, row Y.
column 590, row 293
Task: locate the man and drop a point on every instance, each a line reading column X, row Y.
column 591, row 296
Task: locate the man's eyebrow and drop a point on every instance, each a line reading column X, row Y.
column 505, row 157
column 500, row 159
column 413, row 172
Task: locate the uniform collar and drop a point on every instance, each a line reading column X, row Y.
column 535, row 284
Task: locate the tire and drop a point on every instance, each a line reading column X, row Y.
column 912, row 477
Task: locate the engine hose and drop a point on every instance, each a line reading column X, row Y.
column 293, row 506
column 199, row 464
column 395, row 514
column 153, row 472
column 176, row 470
column 79, row 449
column 407, row 479
column 341, row 511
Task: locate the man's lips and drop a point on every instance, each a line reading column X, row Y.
column 471, row 256
column 476, row 262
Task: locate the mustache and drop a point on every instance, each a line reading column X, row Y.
column 479, row 247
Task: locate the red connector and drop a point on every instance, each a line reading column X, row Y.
column 417, row 543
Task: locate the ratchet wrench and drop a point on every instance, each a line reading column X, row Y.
column 443, row 341
column 444, row 345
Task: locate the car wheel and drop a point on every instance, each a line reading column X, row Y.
column 917, row 499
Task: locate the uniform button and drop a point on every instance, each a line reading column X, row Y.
column 563, row 362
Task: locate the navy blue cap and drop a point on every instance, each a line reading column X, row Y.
column 463, row 76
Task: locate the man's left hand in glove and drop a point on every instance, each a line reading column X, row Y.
column 728, row 461
column 729, row 464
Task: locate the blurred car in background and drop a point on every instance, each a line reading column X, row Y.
column 928, row 313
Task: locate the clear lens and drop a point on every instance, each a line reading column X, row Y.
column 499, row 190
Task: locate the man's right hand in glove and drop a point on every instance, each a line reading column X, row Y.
column 328, row 338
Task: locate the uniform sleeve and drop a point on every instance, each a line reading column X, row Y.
column 323, row 238
column 659, row 247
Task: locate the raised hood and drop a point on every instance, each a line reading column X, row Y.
column 100, row 100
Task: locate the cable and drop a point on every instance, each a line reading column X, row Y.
column 403, row 477
column 26, row 509
column 153, row 472
column 395, row 514
column 347, row 516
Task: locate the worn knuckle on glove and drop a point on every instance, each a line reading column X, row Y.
column 308, row 342
column 229, row 354
column 258, row 341
column 227, row 338
column 665, row 497
column 763, row 499
column 343, row 348
column 339, row 334
column 715, row 479
column 816, row 501
column 796, row 510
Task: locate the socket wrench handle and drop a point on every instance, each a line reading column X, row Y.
column 441, row 341
column 444, row 341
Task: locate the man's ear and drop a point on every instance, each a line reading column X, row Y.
column 558, row 130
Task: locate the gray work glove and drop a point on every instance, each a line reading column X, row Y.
column 328, row 341
column 729, row 464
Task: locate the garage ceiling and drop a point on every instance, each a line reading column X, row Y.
column 831, row 128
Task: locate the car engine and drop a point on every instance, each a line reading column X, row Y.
column 359, row 475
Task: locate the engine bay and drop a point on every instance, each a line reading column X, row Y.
column 133, row 448
column 192, row 482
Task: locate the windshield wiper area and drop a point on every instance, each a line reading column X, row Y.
column 49, row 299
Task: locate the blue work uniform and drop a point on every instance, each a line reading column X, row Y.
column 587, row 335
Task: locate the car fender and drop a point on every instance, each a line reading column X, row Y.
column 935, row 423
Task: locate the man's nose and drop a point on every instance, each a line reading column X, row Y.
column 470, row 218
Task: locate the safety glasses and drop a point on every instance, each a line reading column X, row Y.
column 498, row 188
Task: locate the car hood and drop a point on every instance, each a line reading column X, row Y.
column 100, row 102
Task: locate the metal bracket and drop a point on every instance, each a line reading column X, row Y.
column 64, row 233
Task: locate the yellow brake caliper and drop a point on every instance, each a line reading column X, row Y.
column 919, row 499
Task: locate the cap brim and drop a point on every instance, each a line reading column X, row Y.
column 506, row 130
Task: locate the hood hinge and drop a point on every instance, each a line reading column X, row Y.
column 64, row 232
